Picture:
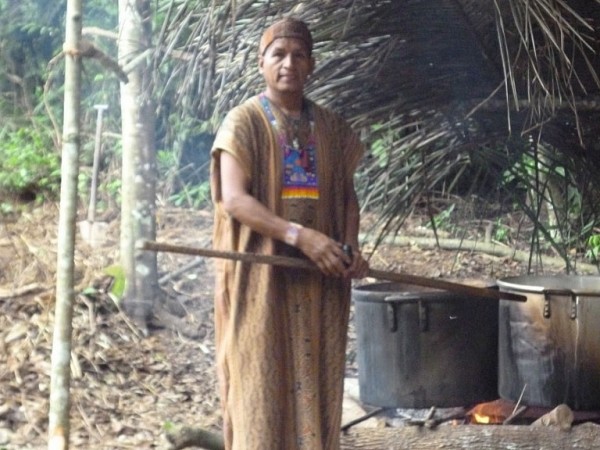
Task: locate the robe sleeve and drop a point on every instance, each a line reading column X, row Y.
column 237, row 135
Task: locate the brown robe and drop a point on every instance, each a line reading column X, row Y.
column 281, row 333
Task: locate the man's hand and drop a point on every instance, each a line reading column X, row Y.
column 326, row 253
column 329, row 255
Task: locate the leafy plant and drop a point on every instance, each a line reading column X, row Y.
column 184, row 166
column 169, row 426
column 381, row 146
column 501, row 232
column 27, row 163
column 6, row 208
column 593, row 248
column 193, row 196
column 118, row 287
column 113, row 188
column 30, row 34
column 443, row 220
column 166, row 161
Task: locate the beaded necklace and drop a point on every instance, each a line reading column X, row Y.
column 300, row 174
column 282, row 136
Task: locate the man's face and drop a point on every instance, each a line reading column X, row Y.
column 286, row 65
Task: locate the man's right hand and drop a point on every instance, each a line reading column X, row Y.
column 326, row 253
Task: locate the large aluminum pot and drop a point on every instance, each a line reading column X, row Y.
column 418, row 348
column 549, row 346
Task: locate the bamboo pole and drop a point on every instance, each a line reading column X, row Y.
column 60, row 376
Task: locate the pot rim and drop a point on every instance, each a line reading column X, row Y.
column 577, row 285
column 395, row 294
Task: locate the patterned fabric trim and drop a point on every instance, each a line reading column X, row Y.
column 299, row 163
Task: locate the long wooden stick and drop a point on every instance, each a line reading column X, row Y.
column 296, row 263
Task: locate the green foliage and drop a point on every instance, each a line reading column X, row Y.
column 443, row 220
column 169, row 426
column 31, row 33
column 593, row 248
column 184, row 165
column 113, row 188
column 190, row 194
column 382, row 143
column 521, row 169
column 6, row 208
column 118, row 287
column 28, row 163
column 194, row 196
column 534, row 176
column 89, row 291
column 501, row 232
column 166, row 161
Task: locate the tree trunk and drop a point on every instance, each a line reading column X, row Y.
column 139, row 163
column 61, row 341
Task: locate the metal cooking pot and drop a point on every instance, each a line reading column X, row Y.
column 549, row 346
column 418, row 347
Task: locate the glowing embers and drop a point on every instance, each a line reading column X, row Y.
column 495, row 412
column 504, row 412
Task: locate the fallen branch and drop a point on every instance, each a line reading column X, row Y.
column 367, row 416
column 488, row 248
column 191, row 265
column 22, row 290
column 481, row 437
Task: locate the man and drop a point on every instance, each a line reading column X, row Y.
column 282, row 183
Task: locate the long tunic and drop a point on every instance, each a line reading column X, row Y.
column 281, row 333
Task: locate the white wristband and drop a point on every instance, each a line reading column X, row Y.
column 291, row 234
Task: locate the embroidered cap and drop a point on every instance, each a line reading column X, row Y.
column 286, row 28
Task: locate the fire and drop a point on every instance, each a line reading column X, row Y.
column 494, row 412
column 479, row 418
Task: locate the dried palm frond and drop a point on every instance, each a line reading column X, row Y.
column 461, row 87
column 547, row 49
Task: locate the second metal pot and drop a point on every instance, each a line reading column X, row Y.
column 550, row 345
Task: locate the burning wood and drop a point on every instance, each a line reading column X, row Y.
column 495, row 412
column 503, row 412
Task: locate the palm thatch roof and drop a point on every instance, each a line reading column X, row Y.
column 451, row 94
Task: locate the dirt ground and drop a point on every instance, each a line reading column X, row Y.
column 127, row 388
